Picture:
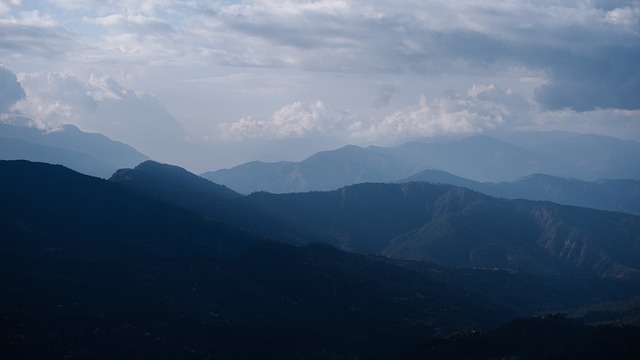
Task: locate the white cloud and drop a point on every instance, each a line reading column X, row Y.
column 481, row 108
column 102, row 105
column 111, row 6
column 627, row 17
column 133, row 22
column 8, row 5
column 54, row 99
column 297, row 120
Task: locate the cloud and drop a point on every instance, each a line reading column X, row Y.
column 588, row 50
column 101, row 104
column 382, row 95
column 134, row 23
column 481, row 108
column 111, row 6
column 608, row 79
column 31, row 34
column 8, row 5
column 623, row 124
column 297, row 120
column 10, row 89
column 54, row 99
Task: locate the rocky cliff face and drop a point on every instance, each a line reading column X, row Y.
column 597, row 246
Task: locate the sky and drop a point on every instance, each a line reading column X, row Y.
column 212, row 84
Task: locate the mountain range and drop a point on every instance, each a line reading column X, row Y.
column 479, row 158
column 142, row 265
column 88, row 153
column 442, row 223
column 385, row 254
column 613, row 195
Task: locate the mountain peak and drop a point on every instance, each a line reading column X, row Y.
column 171, row 178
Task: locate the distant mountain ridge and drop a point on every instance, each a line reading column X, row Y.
column 481, row 158
column 89, row 153
column 611, row 195
column 19, row 149
column 325, row 170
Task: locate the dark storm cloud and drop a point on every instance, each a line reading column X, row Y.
column 577, row 79
column 10, row 89
column 588, row 52
column 382, row 95
column 608, row 79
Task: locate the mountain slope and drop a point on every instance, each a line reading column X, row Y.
column 480, row 158
column 69, row 139
column 17, row 149
column 610, row 195
column 440, row 223
column 326, row 170
column 459, row 227
column 593, row 157
column 129, row 274
column 172, row 182
column 550, row 337
column 176, row 186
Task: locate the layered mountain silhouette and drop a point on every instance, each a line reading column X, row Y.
column 16, row 149
column 480, row 158
column 178, row 187
column 460, row 227
column 88, row 153
column 612, row 195
column 94, row 268
column 442, row 223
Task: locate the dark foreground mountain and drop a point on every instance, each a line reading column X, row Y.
column 611, row 195
column 481, row 158
column 375, row 212
column 550, row 337
column 94, row 270
column 176, row 186
column 617, row 313
column 173, row 182
column 88, row 153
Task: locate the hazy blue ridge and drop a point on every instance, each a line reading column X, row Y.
column 61, row 146
column 479, row 158
column 19, row 149
column 611, row 195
